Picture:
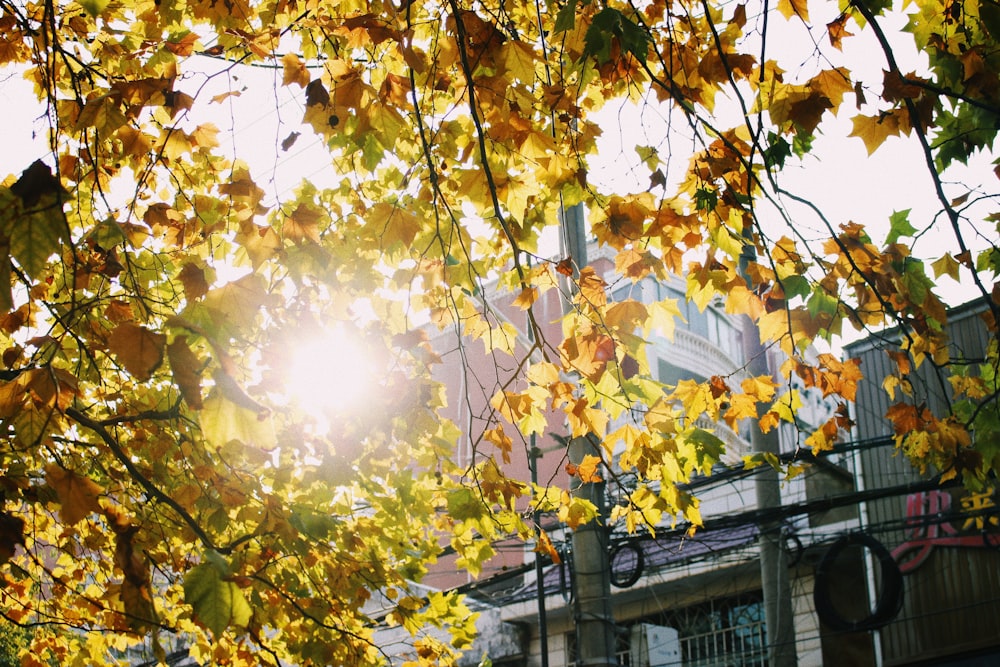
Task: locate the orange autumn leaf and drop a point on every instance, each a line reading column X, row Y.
column 186, row 368
column 500, row 440
column 545, row 546
column 586, row 470
column 837, row 30
column 138, row 349
column 78, row 495
column 526, row 298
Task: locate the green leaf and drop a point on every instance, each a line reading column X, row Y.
column 566, row 18
column 610, row 23
column 108, row 234
column 634, row 39
column 223, row 421
column 706, row 199
column 709, row 444
column 94, row 7
column 795, row 286
column 35, row 239
column 899, row 225
column 605, row 25
column 216, row 602
column 465, row 504
column 821, row 302
column 777, row 151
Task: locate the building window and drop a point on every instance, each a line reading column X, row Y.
column 727, row 632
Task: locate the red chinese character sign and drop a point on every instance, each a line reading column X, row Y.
column 931, row 522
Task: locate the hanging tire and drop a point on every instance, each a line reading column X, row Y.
column 890, row 594
column 626, row 562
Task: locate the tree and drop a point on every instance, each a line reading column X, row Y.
column 159, row 479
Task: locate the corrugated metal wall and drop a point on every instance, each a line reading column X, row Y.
column 952, row 600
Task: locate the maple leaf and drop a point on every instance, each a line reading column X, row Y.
column 35, row 183
column 193, row 279
column 294, row 71
column 497, row 487
column 501, row 440
column 575, row 512
column 217, row 602
column 78, row 495
column 586, row 470
column 790, row 8
column 526, row 298
column 946, row 265
column 592, row 287
column 874, row 130
column 544, row 546
column 138, row 349
column 837, row 30
column 103, row 113
column 187, row 370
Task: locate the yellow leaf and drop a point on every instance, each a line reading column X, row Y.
column 788, row 406
column 134, row 142
column 585, row 419
column 78, row 495
column 235, row 304
column 223, row 421
column 773, row 326
column 205, row 135
column 497, row 487
column 303, row 224
column 526, row 298
column 946, row 265
column 874, row 130
column 889, row 384
column 261, row 243
column 662, row 318
column 759, row 388
column 294, row 71
column 543, row 374
column 626, row 316
column 501, row 440
column 545, row 546
column 696, row 398
column 393, row 224
column 103, row 113
column 592, row 287
column 12, row 395
column 174, row 143
column 833, row 83
column 537, row 145
column 576, row 511
column 790, row 8
column 519, row 58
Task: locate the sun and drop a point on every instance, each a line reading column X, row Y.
column 330, row 373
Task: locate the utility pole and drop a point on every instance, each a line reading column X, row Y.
column 774, row 579
column 595, row 627
column 543, row 625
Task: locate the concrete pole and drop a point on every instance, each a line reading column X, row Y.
column 543, row 624
column 774, row 578
column 595, row 627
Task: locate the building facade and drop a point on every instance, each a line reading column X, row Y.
column 679, row 599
